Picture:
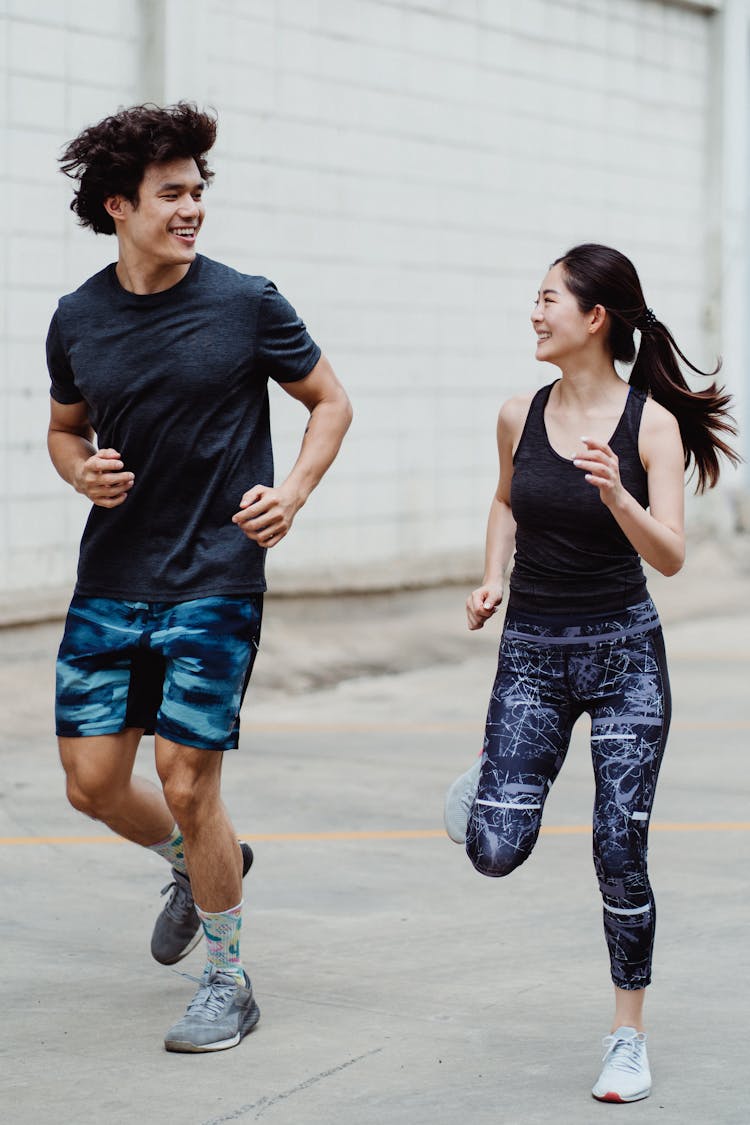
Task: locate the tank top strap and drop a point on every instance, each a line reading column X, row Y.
column 630, row 421
column 533, row 432
column 635, row 404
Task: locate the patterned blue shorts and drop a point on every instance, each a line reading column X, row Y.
column 177, row 669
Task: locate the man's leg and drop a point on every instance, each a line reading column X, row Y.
column 100, row 783
column 107, row 693
column 223, row 1010
column 192, row 789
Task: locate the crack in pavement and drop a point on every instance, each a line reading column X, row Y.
column 267, row 1102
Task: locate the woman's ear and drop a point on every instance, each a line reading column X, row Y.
column 598, row 317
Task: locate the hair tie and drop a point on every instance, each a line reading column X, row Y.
column 648, row 319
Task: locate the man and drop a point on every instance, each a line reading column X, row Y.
column 165, row 357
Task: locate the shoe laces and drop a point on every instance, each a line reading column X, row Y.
column 624, row 1054
column 212, row 996
column 180, row 903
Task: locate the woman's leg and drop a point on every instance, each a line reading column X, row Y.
column 629, row 1008
column 628, row 733
column 528, row 729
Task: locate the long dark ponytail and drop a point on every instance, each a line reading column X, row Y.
column 599, row 275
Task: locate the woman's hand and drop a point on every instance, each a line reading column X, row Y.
column 656, row 533
column 602, row 469
column 482, row 603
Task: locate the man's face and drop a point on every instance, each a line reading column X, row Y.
column 161, row 230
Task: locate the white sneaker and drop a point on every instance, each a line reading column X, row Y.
column 625, row 1076
column 458, row 802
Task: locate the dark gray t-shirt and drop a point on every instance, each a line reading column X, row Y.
column 177, row 383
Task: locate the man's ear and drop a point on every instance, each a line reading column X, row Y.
column 117, row 207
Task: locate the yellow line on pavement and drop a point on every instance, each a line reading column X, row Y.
column 385, row 834
column 361, row 727
column 448, row 727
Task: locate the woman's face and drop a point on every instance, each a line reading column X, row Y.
column 562, row 330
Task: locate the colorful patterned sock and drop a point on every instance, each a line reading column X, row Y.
column 173, row 850
column 222, row 930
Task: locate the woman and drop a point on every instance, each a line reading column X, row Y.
column 581, row 633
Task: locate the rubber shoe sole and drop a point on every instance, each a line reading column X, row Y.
column 188, row 948
column 458, row 802
column 249, row 1022
column 613, row 1096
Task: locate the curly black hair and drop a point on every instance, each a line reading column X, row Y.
column 111, row 158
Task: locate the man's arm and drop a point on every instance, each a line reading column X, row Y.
column 98, row 474
column 266, row 514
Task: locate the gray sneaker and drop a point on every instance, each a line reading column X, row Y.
column 458, row 802
column 178, row 928
column 220, row 1014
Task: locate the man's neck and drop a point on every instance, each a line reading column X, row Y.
column 144, row 277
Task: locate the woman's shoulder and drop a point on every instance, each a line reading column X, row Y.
column 512, row 417
column 656, row 420
column 514, row 410
column 659, row 436
column 511, row 422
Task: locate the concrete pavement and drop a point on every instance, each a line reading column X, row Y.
column 396, row 985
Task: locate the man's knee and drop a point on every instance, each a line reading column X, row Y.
column 191, row 780
column 182, row 797
column 88, row 796
column 97, row 771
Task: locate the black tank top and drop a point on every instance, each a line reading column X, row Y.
column 571, row 555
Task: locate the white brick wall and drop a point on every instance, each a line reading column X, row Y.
column 64, row 65
column 404, row 171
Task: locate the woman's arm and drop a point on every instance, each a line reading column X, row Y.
column 658, row 535
column 501, row 527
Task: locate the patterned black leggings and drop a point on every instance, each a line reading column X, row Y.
column 548, row 674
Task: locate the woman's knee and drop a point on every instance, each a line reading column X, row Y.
column 621, row 858
column 499, row 839
column 494, row 856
